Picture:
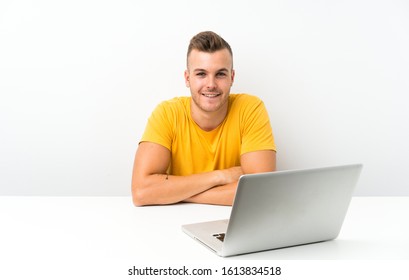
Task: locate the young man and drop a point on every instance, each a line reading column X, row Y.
column 194, row 149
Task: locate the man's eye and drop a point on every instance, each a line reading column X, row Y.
column 200, row 74
column 222, row 74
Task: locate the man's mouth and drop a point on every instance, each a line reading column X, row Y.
column 211, row 95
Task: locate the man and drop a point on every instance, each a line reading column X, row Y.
column 194, row 149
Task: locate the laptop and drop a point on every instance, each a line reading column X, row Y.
column 281, row 209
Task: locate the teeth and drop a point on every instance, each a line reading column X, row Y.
column 210, row 95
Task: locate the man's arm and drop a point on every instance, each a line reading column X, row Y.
column 219, row 195
column 253, row 162
column 258, row 162
column 151, row 184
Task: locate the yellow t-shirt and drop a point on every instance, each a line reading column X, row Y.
column 246, row 128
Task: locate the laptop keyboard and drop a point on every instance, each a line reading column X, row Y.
column 219, row 236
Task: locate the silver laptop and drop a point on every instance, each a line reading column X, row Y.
column 281, row 209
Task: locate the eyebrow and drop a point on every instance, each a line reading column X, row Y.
column 204, row 70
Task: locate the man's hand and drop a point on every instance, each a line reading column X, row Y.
column 231, row 175
column 151, row 184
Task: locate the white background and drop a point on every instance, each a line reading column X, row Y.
column 79, row 78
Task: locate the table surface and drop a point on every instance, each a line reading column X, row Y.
column 375, row 228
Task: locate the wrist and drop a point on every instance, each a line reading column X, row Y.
column 219, row 178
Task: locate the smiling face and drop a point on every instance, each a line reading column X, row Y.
column 209, row 77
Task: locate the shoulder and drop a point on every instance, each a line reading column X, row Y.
column 240, row 102
column 164, row 120
column 244, row 99
column 174, row 106
column 176, row 102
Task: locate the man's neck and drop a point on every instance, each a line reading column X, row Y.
column 208, row 121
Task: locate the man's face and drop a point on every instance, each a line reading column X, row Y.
column 210, row 77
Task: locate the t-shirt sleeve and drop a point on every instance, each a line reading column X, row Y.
column 159, row 128
column 257, row 133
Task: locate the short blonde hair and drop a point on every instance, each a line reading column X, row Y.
column 208, row 41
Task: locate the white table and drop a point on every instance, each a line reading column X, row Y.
column 60, row 230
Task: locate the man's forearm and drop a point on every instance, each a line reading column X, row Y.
column 168, row 189
column 220, row 195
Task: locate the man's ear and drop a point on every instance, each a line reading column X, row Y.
column 233, row 73
column 187, row 78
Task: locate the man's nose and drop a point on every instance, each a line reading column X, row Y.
column 211, row 83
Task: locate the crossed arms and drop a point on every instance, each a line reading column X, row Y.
column 151, row 185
